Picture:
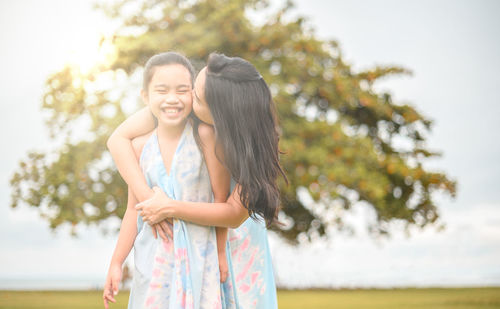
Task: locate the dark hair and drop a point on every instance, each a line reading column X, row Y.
column 165, row 59
column 245, row 124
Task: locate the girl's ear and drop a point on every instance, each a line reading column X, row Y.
column 144, row 96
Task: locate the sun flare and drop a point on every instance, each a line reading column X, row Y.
column 92, row 54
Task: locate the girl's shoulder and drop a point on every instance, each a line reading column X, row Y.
column 206, row 132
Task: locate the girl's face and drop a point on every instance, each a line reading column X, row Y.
column 200, row 106
column 169, row 94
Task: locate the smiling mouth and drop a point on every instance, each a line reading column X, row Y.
column 171, row 111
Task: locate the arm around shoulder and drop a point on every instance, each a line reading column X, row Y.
column 138, row 124
column 125, row 153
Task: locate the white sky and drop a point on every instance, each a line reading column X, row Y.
column 450, row 46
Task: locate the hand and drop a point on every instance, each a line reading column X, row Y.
column 164, row 229
column 223, row 268
column 153, row 209
column 112, row 284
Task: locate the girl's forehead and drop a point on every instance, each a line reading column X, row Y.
column 172, row 73
column 171, row 69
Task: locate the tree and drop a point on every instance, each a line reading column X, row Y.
column 339, row 135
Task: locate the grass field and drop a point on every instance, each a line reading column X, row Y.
column 461, row 298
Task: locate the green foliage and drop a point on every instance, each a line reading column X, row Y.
column 338, row 134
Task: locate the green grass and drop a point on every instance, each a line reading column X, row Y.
column 387, row 299
column 461, row 298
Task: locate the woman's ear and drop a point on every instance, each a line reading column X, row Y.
column 144, row 96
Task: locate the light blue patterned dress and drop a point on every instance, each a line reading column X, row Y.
column 184, row 273
column 250, row 283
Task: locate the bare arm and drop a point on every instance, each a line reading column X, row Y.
column 219, row 175
column 128, row 232
column 231, row 214
column 126, row 238
column 122, row 151
column 220, row 181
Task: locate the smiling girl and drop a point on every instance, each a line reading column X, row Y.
column 181, row 272
column 235, row 103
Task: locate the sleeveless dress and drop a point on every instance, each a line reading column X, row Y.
column 184, row 273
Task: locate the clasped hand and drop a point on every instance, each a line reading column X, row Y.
column 153, row 212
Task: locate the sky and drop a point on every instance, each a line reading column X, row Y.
column 452, row 50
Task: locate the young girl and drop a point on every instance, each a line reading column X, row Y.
column 182, row 273
column 231, row 95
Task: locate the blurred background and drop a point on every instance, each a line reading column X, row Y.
column 368, row 92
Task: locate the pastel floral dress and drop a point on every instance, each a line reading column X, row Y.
column 250, row 283
column 184, row 273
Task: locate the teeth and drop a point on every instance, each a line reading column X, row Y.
column 170, row 110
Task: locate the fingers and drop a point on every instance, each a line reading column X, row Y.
column 116, row 283
column 108, row 294
column 156, row 189
column 104, row 299
column 162, row 232
column 139, row 206
column 108, row 298
column 154, row 228
column 165, row 230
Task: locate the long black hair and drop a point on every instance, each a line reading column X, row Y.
column 245, row 124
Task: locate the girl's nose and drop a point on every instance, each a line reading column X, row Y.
column 171, row 99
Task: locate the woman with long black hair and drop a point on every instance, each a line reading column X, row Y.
column 239, row 121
